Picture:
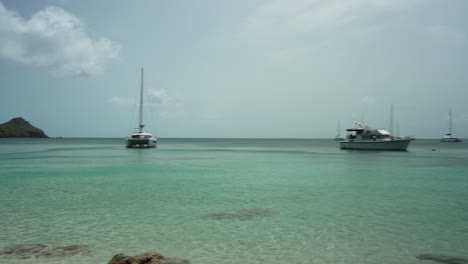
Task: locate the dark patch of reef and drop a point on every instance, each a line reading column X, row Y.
column 20, row 128
column 443, row 259
column 241, row 215
column 23, row 251
column 26, row 251
column 66, row 251
column 39, row 250
column 146, row 258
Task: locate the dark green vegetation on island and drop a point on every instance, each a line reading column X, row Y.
column 20, row 128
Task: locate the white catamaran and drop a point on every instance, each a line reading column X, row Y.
column 141, row 139
column 449, row 137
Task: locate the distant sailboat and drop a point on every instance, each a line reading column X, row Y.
column 338, row 133
column 449, row 137
column 397, row 134
column 141, row 139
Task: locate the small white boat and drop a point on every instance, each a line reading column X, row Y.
column 364, row 138
column 141, row 139
column 449, row 137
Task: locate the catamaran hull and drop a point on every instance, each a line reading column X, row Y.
column 450, row 140
column 141, row 143
column 401, row 144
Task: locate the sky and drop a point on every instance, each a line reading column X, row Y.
column 235, row 69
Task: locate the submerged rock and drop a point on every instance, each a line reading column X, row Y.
column 243, row 214
column 443, row 259
column 66, row 251
column 146, row 258
column 23, row 250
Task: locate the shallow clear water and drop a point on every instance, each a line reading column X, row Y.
column 234, row 200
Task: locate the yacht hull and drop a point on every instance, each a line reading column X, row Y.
column 450, row 140
column 396, row 144
column 141, row 143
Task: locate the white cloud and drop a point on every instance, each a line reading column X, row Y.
column 368, row 100
column 120, row 100
column 446, row 34
column 164, row 103
column 281, row 18
column 286, row 56
column 159, row 97
column 289, row 31
column 56, row 39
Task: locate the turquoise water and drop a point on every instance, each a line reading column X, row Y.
column 234, row 200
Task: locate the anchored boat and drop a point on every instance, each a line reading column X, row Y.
column 449, row 137
column 363, row 137
column 141, row 139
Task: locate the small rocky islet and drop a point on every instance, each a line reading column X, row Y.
column 20, row 128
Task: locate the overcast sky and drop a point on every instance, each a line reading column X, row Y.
column 244, row 68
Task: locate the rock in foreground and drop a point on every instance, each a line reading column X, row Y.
column 20, row 128
column 146, row 258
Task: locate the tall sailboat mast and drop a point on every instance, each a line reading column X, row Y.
column 141, row 125
column 450, row 121
column 391, row 119
column 141, row 139
column 338, row 128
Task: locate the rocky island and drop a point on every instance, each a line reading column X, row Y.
column 20, row 128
